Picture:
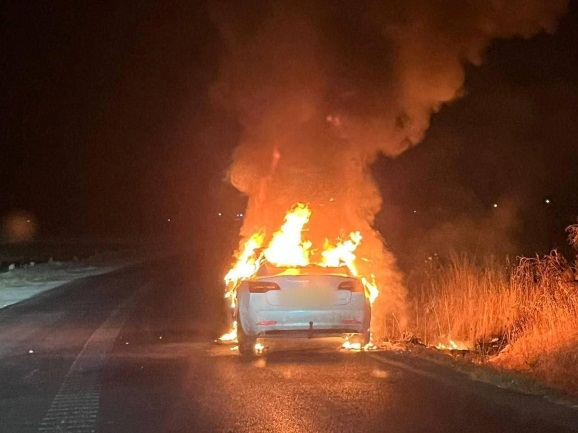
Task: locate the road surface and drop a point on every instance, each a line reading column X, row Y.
column 133, row 351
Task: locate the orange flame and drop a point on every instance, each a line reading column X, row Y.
column 247, row 265
column 355, row 346
column 287, row 248
column 231, row 335
column 370, row 288
column 453, row 345
column 342, row 253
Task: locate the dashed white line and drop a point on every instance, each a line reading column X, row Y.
column 75, row 407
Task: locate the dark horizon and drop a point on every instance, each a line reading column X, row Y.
column 108, row 130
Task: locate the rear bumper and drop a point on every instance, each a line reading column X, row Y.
column 259, row 318
column 305, row 323
column 314, row 333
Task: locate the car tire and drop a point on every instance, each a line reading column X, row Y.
column 246, row 342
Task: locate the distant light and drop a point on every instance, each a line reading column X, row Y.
column 495, row 204
column 241, row 215
column 168, row 219
column 220, row 214
column 331, row 199
column 547, row 201
column 18, row 226
column 414, row 211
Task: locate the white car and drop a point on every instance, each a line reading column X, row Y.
column 311, row 301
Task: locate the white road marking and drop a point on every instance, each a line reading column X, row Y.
column 75, row 407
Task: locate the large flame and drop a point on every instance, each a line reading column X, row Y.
column 248, row 263
column 288, row 248
column 342, row 253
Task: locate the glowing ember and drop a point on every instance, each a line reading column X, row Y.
column 355, row 346
column 453, row 345
column 231, row 336
column 348, row 345
column 369, row 346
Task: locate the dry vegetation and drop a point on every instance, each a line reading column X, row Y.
column 523, row 315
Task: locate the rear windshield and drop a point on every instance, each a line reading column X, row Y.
column 267, row 270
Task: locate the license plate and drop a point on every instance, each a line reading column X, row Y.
column 307, row 297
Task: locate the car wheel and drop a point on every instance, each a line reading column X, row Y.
column 246, row 342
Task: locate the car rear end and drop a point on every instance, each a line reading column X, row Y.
column 307, row 302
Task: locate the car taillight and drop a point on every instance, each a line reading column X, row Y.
column 267, row 323
column 352, row 286
column 262, row 287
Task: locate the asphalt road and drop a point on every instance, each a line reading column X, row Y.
column 133, row 351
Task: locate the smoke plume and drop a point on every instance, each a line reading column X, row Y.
column 320, row 88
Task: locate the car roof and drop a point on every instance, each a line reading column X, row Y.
column 268, row 270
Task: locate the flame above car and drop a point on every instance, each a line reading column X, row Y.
column 289, row 250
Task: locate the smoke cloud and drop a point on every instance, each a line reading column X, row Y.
column 320, row 88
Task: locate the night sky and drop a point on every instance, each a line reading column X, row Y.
column 108, row 130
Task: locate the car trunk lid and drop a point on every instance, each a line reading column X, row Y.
column 308, row 291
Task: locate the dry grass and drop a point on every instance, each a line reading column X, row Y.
column 573, row 235
column 573, row 240
column 462, row 300
column 528, row 312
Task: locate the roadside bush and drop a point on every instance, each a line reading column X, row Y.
column 524, row 316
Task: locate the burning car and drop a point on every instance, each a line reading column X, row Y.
column 281, row 286
column 310, row 301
